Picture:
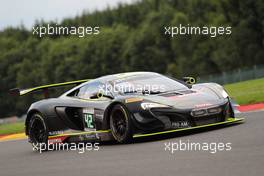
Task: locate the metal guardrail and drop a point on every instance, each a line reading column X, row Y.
column 234, row 76
column 13, row 119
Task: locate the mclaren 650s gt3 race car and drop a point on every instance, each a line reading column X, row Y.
column 125, row 106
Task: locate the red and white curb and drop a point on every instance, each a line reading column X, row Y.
column 251, row 107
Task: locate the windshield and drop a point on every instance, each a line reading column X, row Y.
column 146, row 84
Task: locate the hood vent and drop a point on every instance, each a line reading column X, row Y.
column 189, row 91
column 182, row 92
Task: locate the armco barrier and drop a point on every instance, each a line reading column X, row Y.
column 234, row 76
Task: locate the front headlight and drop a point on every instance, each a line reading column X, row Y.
column 221, row 90
column 224, row 94
column 152, row 105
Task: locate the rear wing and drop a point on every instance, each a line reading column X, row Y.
column 44, row 88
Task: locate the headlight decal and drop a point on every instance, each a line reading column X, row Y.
column 146, row 106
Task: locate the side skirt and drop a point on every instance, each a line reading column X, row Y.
column 105, row 135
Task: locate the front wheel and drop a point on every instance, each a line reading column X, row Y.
column 120, row 124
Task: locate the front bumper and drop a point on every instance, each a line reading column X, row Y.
column 163, row 119
column 229, row 121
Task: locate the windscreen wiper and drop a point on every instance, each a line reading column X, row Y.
column 144, row 92
column 130, row 92
column 151, row 92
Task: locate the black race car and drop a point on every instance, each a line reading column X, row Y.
column 125, row 106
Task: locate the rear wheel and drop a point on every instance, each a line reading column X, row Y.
column 38, row 134
column 120, row 124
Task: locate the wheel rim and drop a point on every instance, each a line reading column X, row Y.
column 119, row 123
column 38, row 131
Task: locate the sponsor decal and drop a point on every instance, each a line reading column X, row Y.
column 57, row 139
column 179, row 124
column 51, row 133
column 88, row 111
column 203, row 105
column 99, row 114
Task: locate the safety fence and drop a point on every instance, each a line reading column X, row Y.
column 238, row 75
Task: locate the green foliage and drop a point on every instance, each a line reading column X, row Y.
column 12, row 128
column 131, row 39
column 247, row 92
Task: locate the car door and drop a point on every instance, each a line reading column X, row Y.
column 82, row 109
column 92, row 113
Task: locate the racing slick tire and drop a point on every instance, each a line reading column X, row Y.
column 121, row 124
column 37, row 132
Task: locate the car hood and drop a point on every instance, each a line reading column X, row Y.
column 196, row 99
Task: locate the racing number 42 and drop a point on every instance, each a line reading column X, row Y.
column 88, row 118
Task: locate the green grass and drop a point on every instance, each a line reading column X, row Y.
column 12, row 128
column 247, row 92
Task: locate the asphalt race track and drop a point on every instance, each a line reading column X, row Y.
column 147, row 156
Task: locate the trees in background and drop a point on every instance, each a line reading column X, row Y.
column 132, row 39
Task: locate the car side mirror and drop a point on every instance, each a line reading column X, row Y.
column 189, row 80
